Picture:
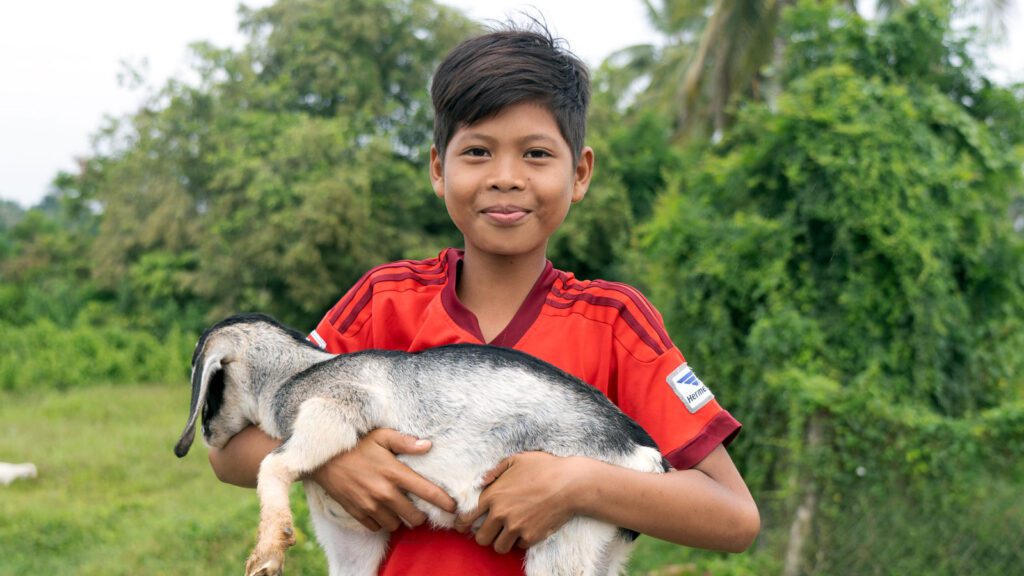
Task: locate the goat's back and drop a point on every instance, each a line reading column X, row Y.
column 510, row 397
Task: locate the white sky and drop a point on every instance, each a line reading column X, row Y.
column 60, row 59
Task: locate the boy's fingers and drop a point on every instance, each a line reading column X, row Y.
column 368, row 522
column 389, row 512
column 412, row 482
column 387, row 520
column 464, row 521
column 497, row 471
column 408, row 480
column 408, row 512
column 399, row 443
column 504, row 542
column 488, row 531
column 394, row 510
column 427, row 490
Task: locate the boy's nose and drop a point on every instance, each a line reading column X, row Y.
column 506, row 176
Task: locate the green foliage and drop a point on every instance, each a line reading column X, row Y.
column 44, row 272
column 659, row 558
column 10, row 214
column 859, row 207
column 633, row 153
column 978, row 532
column 290, row 168
column 89, row 351
column 848, row 256
column 593, row 238
column 637, row 150
column 367, row 61
column 842, row 268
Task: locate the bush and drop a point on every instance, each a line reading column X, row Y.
column 844, row 271
column 43, row 355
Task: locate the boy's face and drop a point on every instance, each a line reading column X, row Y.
column 508, row 181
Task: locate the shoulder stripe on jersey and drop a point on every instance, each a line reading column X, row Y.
column 642, row 304
column 368, row 294
column 624, row 313
column 651, row 330
column 415, row 268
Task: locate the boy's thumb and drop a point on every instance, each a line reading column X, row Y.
column 405, row 444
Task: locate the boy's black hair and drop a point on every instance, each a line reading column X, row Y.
column 487, row 74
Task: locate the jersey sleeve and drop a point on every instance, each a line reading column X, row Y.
column 646, row 394
column 346, row 327
column 655, row 386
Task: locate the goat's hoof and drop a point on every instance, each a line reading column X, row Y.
column 263, row 566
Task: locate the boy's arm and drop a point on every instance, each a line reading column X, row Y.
column 533, row 494
column 368, row 481
column 238, row 462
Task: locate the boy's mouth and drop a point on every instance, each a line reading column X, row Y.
column 505, row 215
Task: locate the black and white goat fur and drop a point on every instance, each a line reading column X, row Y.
column 477, row 404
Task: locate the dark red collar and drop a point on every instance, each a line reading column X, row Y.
column 521, row 322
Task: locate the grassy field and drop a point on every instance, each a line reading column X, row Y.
column 111, row 498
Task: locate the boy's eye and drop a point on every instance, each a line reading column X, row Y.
column 537, row 153
column 476, row 152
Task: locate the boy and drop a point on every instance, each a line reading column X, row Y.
column 508, row 160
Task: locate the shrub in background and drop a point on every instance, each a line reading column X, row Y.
column 844, row 271
column 45, row 355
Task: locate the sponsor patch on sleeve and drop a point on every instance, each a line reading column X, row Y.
column 689, row 388
column 318, row 340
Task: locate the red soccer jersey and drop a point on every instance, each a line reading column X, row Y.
column 604, row 333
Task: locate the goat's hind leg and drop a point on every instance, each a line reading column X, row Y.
column 323, row 428
column 351, row 549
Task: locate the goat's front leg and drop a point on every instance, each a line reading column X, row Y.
column 323, row 428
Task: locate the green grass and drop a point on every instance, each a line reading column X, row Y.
column 111, row 498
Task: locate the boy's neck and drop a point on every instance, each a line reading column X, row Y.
column 494, row 287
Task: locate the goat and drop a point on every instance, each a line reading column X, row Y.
column 11, row 472
column 478, row 404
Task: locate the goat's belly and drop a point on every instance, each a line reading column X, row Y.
column 322, row 504
column 459, row 471
column 459, row 475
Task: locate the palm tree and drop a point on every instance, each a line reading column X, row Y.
column 717, row 49
column 738, row 40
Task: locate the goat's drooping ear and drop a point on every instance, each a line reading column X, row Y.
column 206, row 365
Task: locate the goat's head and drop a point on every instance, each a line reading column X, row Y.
column 232, row 362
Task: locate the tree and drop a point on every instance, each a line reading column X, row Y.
column 719, row 50
column 287, row 170
column 44, row 271
column 10, row 214
column 844, row 265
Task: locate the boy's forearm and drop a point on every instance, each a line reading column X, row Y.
column 238, row 462
column 688, row 507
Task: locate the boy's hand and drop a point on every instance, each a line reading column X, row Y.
column 527, row 498
column 371, row 484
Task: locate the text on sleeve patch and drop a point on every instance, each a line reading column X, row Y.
column 689, row 388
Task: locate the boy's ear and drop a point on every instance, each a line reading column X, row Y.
column 581, row 177
column 436, row 172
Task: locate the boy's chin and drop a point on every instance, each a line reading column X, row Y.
column 509, row 250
